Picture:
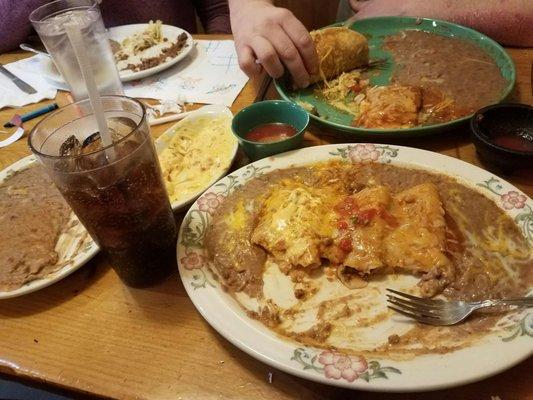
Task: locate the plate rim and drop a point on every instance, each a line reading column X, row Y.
column 417, row 130
column 53, row 277
column 244, row 344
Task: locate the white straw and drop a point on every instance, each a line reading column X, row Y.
column 76, row 39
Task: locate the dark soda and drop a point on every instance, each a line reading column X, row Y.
column 125, row 208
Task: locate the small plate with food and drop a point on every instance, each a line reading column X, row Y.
column 429, row 75
column 290, row 257
column 42, row 240
column 196, row 152
column 140, row 50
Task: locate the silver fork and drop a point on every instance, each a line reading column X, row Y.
column 444, row 312
column 379, row 63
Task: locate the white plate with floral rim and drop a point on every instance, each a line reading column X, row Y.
column 75, row 246
column 512, row 344
column 225, row 157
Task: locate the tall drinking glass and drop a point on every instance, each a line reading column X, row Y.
column 117, row 191
column 49, row 21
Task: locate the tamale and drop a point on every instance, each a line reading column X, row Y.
column 339, row 50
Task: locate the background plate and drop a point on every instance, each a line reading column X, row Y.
column 376, row 29
column 119, row 33
column 497, row 351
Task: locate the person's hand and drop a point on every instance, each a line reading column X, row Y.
column 275, row 38
column 378, row 8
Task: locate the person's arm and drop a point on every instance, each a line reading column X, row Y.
column 14, row 23
column 275, row 38
column 214, row 15
column 507, row 21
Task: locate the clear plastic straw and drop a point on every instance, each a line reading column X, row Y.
column 76, row 40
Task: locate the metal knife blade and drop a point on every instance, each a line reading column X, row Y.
column 17, row 81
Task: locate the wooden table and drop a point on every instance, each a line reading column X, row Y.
column 91, row 334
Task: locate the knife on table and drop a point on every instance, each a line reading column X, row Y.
column 17, row 81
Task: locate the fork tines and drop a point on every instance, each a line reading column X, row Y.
column 380, row 63
column 424, row 310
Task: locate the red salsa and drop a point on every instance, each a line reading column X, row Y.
column 272, row 132
column 514, row 142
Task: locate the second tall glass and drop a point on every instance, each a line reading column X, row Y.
column 49, row 21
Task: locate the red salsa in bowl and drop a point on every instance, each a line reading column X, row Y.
column 270, row 127
column 270, row 132
column 518, row 140
column 503, row 136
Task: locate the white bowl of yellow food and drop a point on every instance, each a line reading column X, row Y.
column 195, row 153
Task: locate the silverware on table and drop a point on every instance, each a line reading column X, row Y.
column 444, row 312
column 17, row 81
column 28, row 47
column 379, row 63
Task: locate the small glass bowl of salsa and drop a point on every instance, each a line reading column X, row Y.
column 503, row 136
column 270, row 127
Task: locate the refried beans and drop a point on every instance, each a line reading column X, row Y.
column 32, row 216
column 445, row 68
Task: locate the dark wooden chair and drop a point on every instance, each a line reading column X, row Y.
column 313, row 13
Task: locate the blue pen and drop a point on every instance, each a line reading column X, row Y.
column 34, row 114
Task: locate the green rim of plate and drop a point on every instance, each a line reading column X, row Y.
column 375, row 29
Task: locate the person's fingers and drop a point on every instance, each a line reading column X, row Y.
column 290, row 57
column 267, row 56
column 303, row 42
column 247, row 61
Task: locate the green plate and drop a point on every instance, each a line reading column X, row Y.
column 376, row 29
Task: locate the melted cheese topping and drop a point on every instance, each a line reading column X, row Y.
column 301, row 225
column 200, row 151
column 392, row 106
column 367, row 240
column 418, row 243
column 238, row 217
column 292, row 223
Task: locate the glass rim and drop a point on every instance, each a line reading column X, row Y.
column 103, row 149
column 50, row 5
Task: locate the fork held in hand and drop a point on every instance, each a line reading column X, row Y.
column 380, row 63
column 441, row 312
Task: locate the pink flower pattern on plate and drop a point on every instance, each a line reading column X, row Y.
column 337, row 366
column 364, row 153
column 210, row 202
column 513, row 199
column 192, row 261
